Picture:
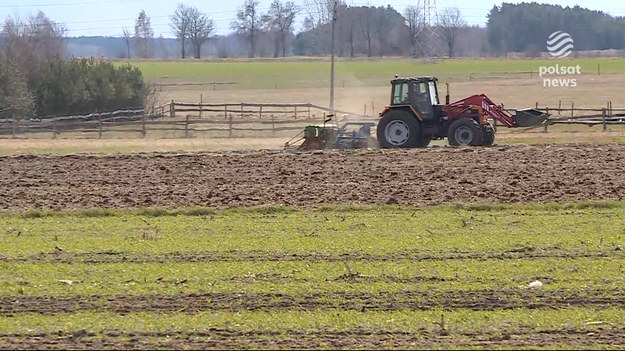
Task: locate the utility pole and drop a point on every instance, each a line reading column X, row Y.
column 332, row 64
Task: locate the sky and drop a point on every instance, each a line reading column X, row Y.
column 108, row 17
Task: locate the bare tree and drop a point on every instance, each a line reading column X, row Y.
column 144, row 35
column 180, row 25
column 320, row 12
column 37, row 36
column 415, row 24
column 248, row 23
column 280, row 20
column 383, row 27
column 451, row 22
column 366, row 23
column 127, row 39
column 32, row 44
column 200, row 29
column 346, row 27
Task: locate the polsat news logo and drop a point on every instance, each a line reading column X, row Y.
column 560, row 45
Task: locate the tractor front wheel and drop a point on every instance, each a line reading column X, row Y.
column 489, row 135
column 399, row 129
column 424, row 141
column 465, row 131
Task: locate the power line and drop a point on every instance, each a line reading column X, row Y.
column 64, row 4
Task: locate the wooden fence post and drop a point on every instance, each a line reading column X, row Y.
column 172, row 109
column 201, row 101
column 559, row 107
column 225, row 111
column 572, row 107
column 99, row 125
column 143, row 132
column 241, row 110
column 230, row 127
column 546, row 122
column 603, row 113
column 260, row 114
column 186, row 127
column 54, row 132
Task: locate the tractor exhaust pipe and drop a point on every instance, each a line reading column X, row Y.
column 447, row 96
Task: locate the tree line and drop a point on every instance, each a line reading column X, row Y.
column 525, row 26
column 384, row 31
column 36, row 78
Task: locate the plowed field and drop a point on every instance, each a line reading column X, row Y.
column 415, row 177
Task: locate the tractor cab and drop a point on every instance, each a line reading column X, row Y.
column 419, row 93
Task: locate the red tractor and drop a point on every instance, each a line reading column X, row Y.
column 415, row 117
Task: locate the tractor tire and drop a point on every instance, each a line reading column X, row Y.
column 424, row 141
column 399, row 129
column 489, row 135
column 465, row 131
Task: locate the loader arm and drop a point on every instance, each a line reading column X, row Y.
column 483, row 103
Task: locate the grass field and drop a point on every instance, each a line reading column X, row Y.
column 361, row 83
column 265, row 74
column 378, row 276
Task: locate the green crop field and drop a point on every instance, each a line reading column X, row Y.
column 314, row 73
column 340, row 277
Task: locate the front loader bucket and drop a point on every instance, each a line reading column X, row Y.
column 529, row 117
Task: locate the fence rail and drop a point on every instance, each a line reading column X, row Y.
column 183, row 119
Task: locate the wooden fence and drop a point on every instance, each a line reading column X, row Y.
column 561, row 115
column 178, row 119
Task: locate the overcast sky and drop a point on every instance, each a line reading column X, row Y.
column 108, row 17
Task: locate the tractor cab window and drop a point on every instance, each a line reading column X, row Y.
column 421, row 98
column 400, row 94
column 420, row 93
column 434, row 94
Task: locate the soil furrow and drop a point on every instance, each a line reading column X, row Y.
column 298, row 339
column 385, row 301
column 510, row 174
column 266, row 256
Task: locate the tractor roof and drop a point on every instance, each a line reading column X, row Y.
column 414, row 79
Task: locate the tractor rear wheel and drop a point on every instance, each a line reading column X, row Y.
column 399, row 129
column 489, row 135
column 465, row 131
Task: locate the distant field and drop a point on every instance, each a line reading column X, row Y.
column 384, row 277
column 362, row 86
column 315, row 73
